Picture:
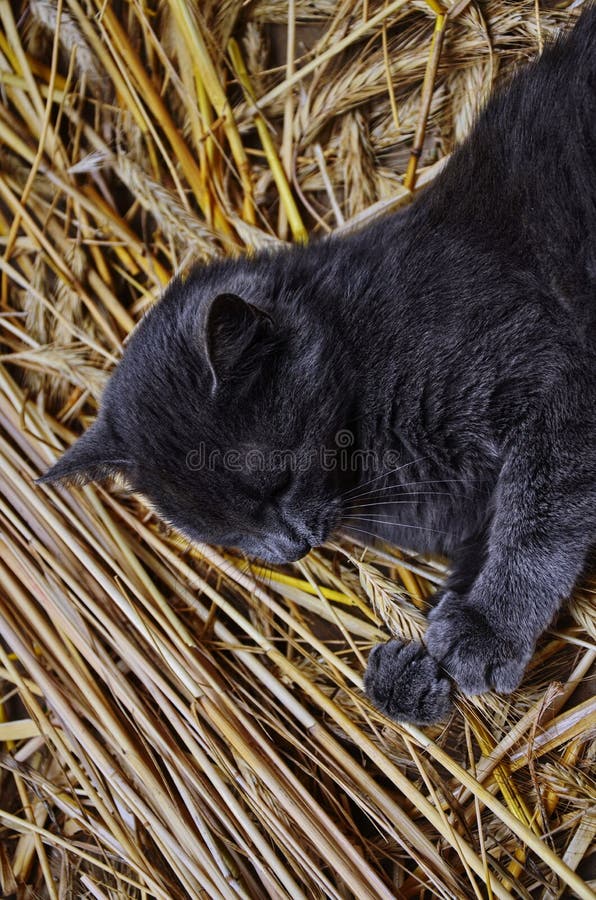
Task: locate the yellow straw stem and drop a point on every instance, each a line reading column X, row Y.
column 427, row 93
column 299, row 232
column 190, row 29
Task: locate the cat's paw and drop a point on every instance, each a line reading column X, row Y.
column 471, row 651
column 405, row 683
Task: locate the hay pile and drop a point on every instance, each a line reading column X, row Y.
column 172, row 724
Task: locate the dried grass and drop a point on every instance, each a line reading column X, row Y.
column 174, row 723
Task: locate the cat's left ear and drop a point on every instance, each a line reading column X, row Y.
column 237, row 336
column 94, row 457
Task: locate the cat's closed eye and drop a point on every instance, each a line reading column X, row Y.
column 280, row 486
column 270, row 493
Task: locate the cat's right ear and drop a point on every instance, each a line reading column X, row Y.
column 93, row 457
column 237, row 336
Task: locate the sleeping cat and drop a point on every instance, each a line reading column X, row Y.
column 430, row 380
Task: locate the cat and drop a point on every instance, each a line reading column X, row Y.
column 429, row 380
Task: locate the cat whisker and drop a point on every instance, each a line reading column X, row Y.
column 413, row 494
column 236, row 561
column 347, row 529
column 385, row 475
column 398, row 487
column 395, row 522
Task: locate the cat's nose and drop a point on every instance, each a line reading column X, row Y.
column 283, row 550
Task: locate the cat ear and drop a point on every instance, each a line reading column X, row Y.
column 237, row 335
column 92, row 458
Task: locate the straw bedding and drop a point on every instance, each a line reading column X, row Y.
column 174, row 722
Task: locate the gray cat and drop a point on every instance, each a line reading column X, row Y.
column 430, row 380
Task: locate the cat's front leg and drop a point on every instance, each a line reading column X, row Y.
column 483, row 634
column 543, row 526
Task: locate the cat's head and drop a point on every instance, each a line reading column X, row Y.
column 222, row 414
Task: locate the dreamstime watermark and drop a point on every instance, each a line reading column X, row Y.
column 343, row 457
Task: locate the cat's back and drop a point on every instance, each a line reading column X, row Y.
column 523, row 185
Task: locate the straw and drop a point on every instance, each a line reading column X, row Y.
column 178, row 721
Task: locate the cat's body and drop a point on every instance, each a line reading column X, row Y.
column 455, row 339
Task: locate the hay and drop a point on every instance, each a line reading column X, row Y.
column 172, row 723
